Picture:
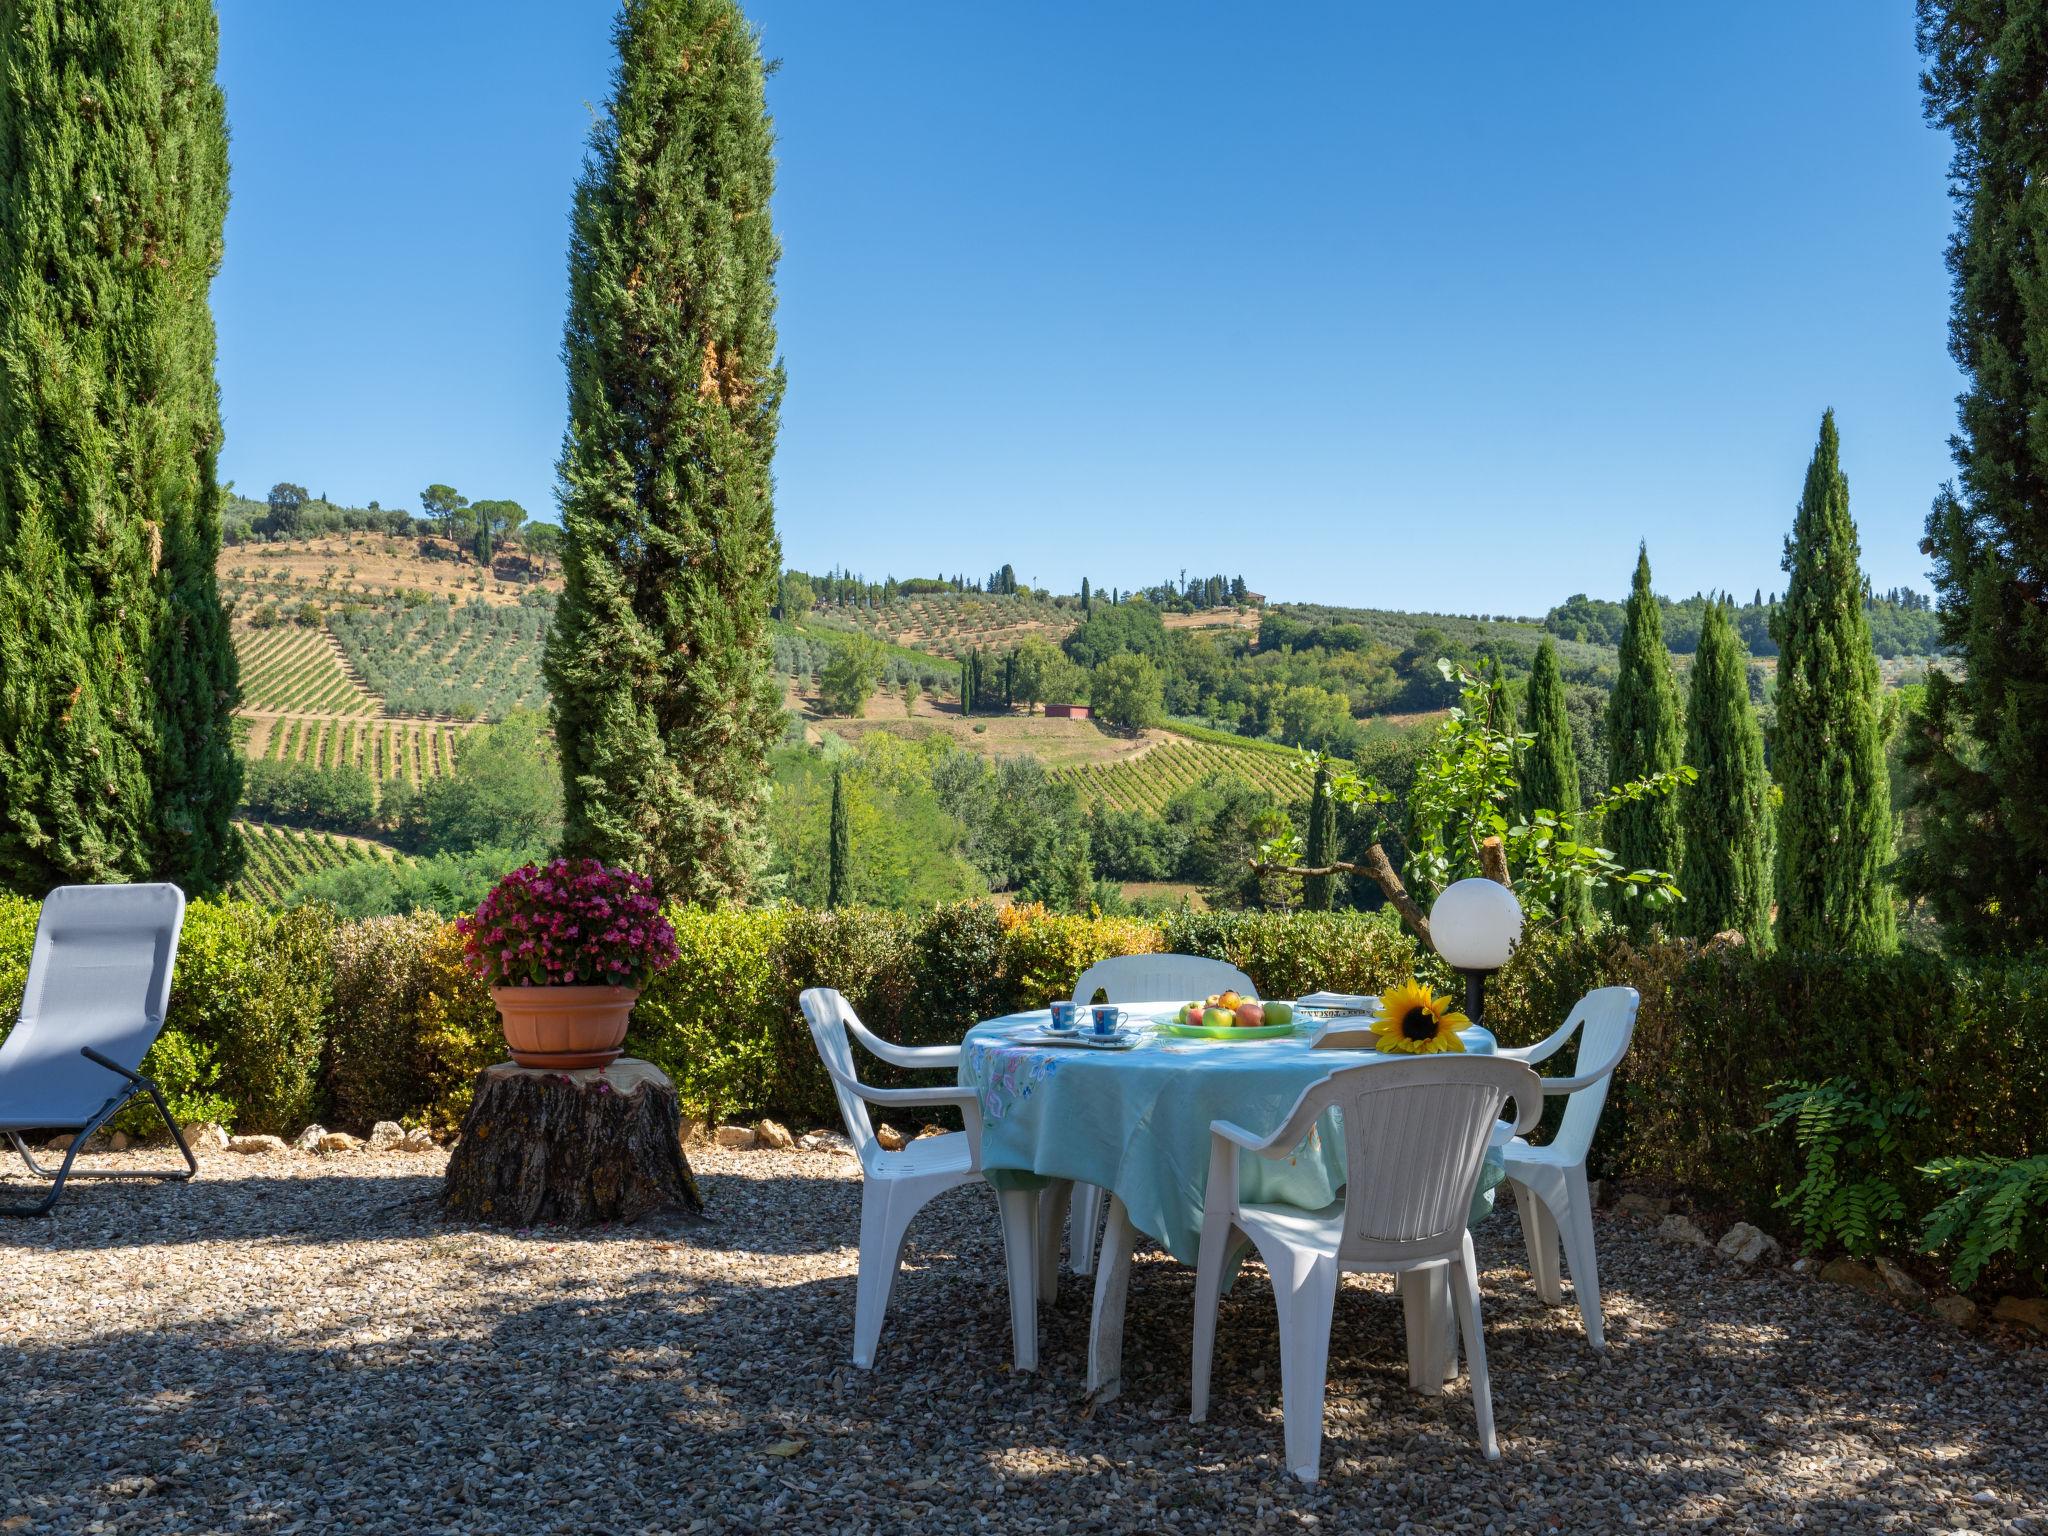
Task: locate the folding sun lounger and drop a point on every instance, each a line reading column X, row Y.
column 99, row 980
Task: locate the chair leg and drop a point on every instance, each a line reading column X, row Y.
column 65, row 1170
column 1540, row 1237
column 1052, row 1215
column 1020, row 1259
column 1112, row 1290
column 1215, row 1254
column 1084, row 1222
column 1465, row 1291
column 1431, row 1325
column 1576, row 1226
column 884, row 1227
column 1305, row 1299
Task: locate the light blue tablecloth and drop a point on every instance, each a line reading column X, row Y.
column 1137, row 1121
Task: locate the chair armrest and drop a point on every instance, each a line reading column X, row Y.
column 1543, row 1049
column 1226, row 1131
column 936, row 1058
column 1561, row 1087
column 115, row 1067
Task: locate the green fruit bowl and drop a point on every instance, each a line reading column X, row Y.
column 1226, row 1031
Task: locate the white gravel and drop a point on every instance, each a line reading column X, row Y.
column 296, row 1344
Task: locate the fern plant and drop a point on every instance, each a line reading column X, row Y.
column 1847, row 1138
column 1996, row 1205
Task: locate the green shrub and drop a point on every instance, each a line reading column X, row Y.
column 376, row 1061
column 1288, row 954
column 1997, row 1214
column 710, row 1020
column 252, row 987
column 1849, row 1140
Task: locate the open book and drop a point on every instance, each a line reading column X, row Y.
column 1343, row 1020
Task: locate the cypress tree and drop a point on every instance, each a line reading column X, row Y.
column 1724, row 813
column 1319, row 891
column 1827, row 754
column 1085, row 597
column 1644, row 737
column 839, row 849
column 1980, row 746
column 657, row 660
column 1550, row 768
column 117, row 678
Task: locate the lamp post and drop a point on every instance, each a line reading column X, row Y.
column 1475, row 924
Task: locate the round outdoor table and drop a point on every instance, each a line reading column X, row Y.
column 1136, row 1123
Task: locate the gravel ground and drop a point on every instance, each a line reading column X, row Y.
column 295, row 1344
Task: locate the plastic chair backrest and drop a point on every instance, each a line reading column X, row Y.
column 99, row 975
column 1607, row 1023
column 827, row 1012
column 1415, row 1137
column 1160, row 979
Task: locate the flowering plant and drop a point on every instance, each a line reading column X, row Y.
column 572, row 922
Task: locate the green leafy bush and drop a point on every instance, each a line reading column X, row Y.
column 1850, row 1140
column 1998, row 1210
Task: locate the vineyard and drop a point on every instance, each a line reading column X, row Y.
column 471, row 662
column 417, row 749
column 1147, row 782
column 278, row 858
column 289, row 667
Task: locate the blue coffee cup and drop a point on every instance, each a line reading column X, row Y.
column 1063, row 1015
column 1107, row 1017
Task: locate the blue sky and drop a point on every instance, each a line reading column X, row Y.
column 1372, row 304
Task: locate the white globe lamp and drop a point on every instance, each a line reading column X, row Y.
column 1475, row 925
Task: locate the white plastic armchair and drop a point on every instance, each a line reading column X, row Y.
column 1415, row 1138
column 1130, row 979
column 895, row 1186
column 1550, row 1181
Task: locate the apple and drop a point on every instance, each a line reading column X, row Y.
column 1219, row 1018
column 1250, row 1015
column 1279, row 1013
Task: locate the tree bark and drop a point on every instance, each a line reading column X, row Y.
column 1376, row 867
column 599, row 1145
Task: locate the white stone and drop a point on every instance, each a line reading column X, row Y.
column 1683, row 1229
column 774, row 1136
column 739, row 1137
column 206, row 1137
column 257, row 1146
column 1747, row 1244
column 310, row 1138
column 421, row 1140
column 386, row 1136
column 117, row 1141
column 338, row 1141
column 891, row 1139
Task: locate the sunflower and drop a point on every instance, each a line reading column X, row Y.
column 1412, row 1021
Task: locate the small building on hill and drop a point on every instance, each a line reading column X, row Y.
column 1066, row 711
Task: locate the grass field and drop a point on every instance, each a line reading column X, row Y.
column 278, row 857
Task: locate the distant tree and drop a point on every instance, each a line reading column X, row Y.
column 285, row 501
column 1085, row 597
column 1036, row 659
column 117, row 681
column 1979, row 744
column 492, row 522
column 839, row 849
column 1725, row 812
column 1550, row 769
column 1644, row 736
column 851, row 673
column 505, row 792
column 911, row 689
column 543, row 543
column 1827, row 751
column 657, row 660
column 449, row 510
column 1128, row 691
column 1318, row 891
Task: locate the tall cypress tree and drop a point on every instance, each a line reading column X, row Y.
column 657, row 660
column 1827, row 753
column 1980, row 747
column 1725, row 812
column 1550, row 768
column 1318, row 891
column 1644, row 737
column 116, row 674
column 839, row 849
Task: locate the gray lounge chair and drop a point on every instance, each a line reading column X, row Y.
column 99, row 980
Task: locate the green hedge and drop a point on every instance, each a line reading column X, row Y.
column 278, row 1019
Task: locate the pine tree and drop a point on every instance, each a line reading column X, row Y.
column 117, row 678
column 1827, row 753
column 657, row 660
column 1318, row 892
column 839, row 849
column 1725, row 812
column 1979, row 747
column 1644, row 737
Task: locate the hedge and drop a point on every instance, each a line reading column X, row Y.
column 278, row 1019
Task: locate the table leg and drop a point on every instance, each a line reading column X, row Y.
column 1020, row 1256
column 1112, row 1289
column 1052, row 1216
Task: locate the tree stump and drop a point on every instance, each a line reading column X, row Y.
column 601, row 1144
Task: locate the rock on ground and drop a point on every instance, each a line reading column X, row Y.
column 296, row 1343
column 1748, row 1245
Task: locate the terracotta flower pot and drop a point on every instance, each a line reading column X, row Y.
column 564, row 1027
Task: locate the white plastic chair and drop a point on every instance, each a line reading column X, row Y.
column 1129, row 979
column 99, row 984
column 1415, row 1137
column 1550, row 1181
column 895, row 1186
